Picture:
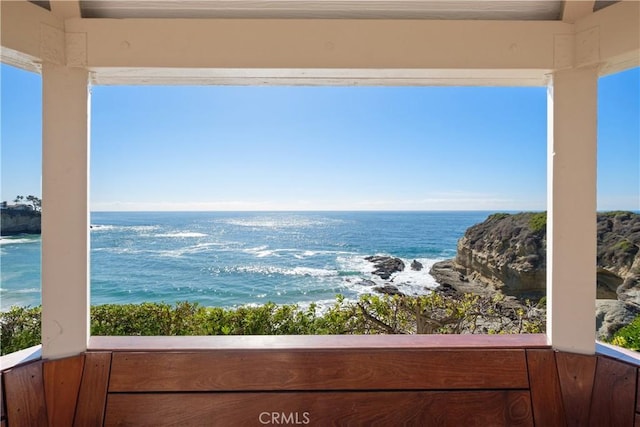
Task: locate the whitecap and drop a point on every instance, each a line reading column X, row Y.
column 16, row 241
column 141, row 228
column 102, row 227
column 408, row 281
column 266, row 253
column 177, row 253
column 415, row 281
column 136, row 228
column 259, row 251
column 311, row 253
column 296, row 271
column 20, row 291
column 308, row 271
column 355, row 263
column 280, row 222
column 255, row 249
column 118, row 250
column 183, row 234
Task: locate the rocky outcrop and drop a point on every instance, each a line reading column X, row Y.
column 416, row 265
column 388, row 289
column 507, row 253
column 385, row 266
column 18, row 221
column 450, row 278
column 612, row 315
column 619, row 256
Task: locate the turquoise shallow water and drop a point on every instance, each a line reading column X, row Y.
column 229, row 259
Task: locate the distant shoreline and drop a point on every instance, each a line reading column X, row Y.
column 15, row 221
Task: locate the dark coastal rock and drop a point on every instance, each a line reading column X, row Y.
column 629, row 291
column 607, row 284
column 452, row 280
column 367, row 282
column 388, row 289
column 385, row 266
column 19, row 221
column 612, row 315
column 416, row 265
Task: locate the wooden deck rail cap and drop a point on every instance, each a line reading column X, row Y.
column 307, row 342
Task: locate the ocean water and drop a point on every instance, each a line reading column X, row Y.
column 231, row 259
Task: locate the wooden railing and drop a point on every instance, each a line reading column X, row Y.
column 257, row 381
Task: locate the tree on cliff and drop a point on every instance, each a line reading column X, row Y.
column 33, row 201
column 36, row 203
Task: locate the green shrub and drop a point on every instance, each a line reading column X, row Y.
column 628, row 336
column 371, row 314
column 538, row 222
column 623, row 245
column 20, row 328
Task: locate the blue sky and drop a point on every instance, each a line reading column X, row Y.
column 308, row 148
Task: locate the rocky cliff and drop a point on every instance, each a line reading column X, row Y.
column 619, row 256
column 17, row 221
column 507, row 253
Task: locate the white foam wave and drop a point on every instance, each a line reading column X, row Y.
column 355, row 263
column 408, row 281
column 419, row 278
column 118, row 250
column 189, row 250
column 255, row 250
column 263, row 251
column 101, row 227
column 280, row 222
column 307, row 254
column 16, row 241
column 263, row 254
column 183, row 234
column 20, row 291
column 136, row 228
column 296, row 271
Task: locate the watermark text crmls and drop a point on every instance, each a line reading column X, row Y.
column 284, row 418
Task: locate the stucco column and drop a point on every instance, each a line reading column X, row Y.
column 65, row 210
column 571, row 204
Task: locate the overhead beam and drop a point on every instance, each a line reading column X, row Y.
column 316, row 77
column 325, row 9
column 65, row 9
column 318, row 44
column 21, row 27
column 138, row 51
column 609, row 38
column 573, row 10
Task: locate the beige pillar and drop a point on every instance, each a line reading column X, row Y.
column 65, row 218
column 571, row 204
